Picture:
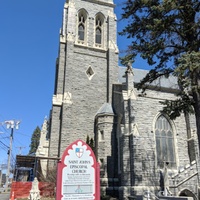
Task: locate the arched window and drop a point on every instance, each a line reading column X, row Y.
column 98, row 29
column 98, row 36
column 164, row 142
column 81, row 30
column 82, row 25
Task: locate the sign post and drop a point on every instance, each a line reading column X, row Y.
column 78, row 174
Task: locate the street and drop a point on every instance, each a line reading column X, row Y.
column 4, row 196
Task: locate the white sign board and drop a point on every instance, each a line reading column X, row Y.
column 78, row 172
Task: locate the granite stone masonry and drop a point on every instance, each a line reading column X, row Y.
column 140, row 149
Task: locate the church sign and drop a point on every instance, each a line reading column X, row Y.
column 78, row 174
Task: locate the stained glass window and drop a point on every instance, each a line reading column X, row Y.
column 164, row 142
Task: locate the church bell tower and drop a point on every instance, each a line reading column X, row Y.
column 86, row 68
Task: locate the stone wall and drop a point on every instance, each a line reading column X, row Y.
column 79, row 94
column 138, row 168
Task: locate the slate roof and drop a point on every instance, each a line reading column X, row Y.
column 106, row 108
column 170, row 82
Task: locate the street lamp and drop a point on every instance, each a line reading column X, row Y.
column 10, row 124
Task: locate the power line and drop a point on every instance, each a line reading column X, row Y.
column 4, row 148
column 2, row 123
column 4, row 138
column 4, row 144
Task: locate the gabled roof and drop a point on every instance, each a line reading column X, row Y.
column 139, row 74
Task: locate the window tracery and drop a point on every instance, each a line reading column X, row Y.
column 99, row 30
column 164, row 142
column 98, row 33
column 82, row 19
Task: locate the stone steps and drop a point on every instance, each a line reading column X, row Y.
column 184, row 174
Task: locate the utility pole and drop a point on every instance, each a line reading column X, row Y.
column 20, row 150
column 1, row 171
column 10, row 124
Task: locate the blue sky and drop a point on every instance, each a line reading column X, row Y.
column 29, row 32
column 29, row 39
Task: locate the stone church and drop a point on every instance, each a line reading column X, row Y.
column 143, row 154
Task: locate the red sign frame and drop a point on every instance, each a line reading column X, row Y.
column 69, row 167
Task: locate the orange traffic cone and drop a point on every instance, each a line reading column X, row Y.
column 13, row 196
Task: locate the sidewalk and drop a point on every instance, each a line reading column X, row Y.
column 5, row 196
